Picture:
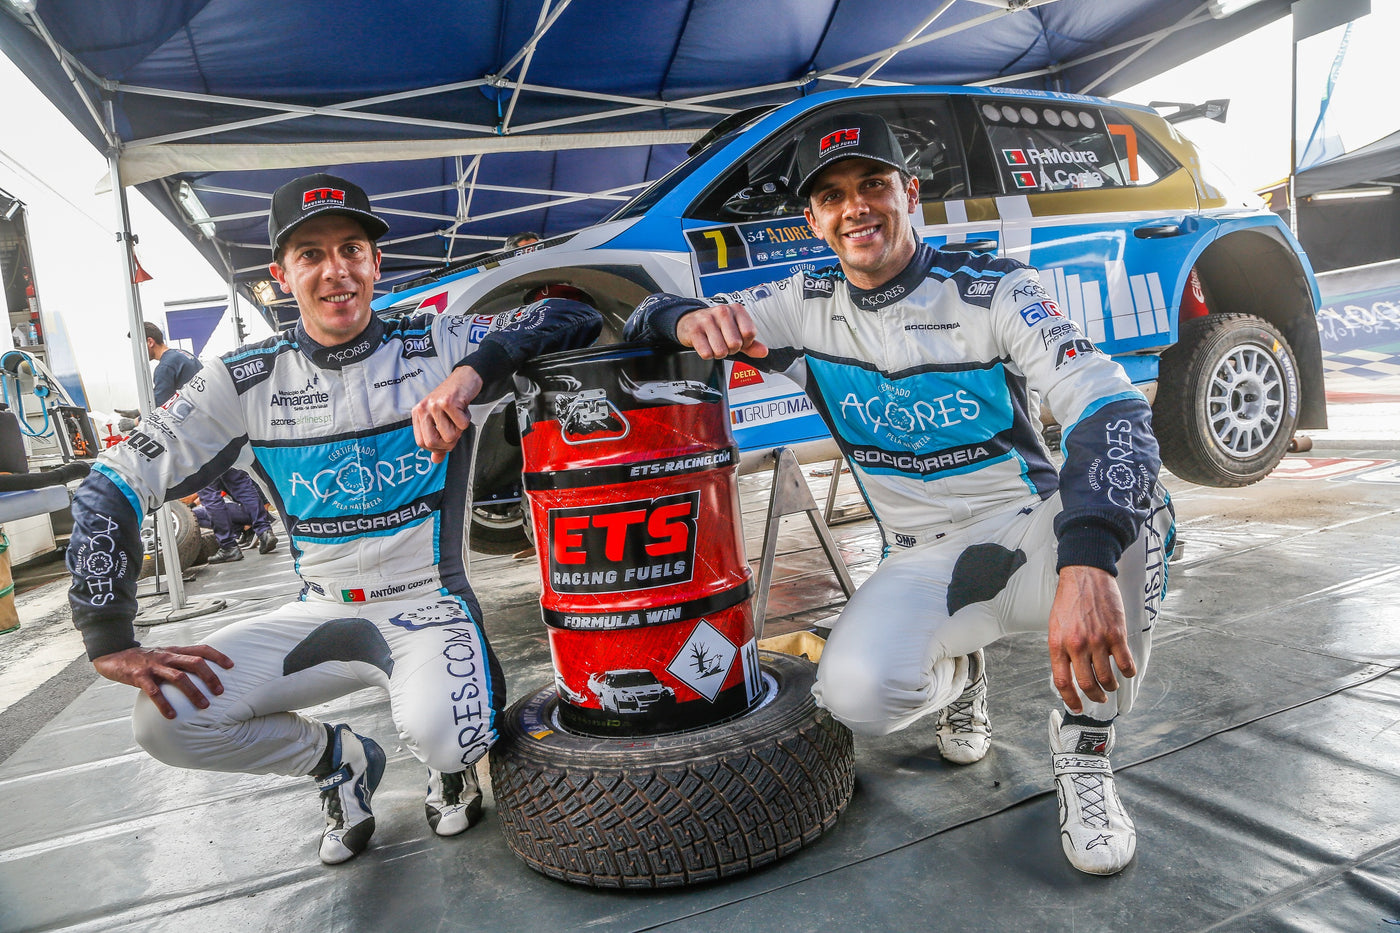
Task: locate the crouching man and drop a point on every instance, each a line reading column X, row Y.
column 331, row 416
column 922, row 363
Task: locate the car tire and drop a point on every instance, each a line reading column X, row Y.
column 670, row 810
column 188, row 540
column 1227, row 400
column 498, row 529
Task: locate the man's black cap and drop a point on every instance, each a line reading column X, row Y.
column 845, row 136
column 310, row 195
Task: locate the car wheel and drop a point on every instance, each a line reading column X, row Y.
column 498, row 528
column 1227, row 400
column 670, row 810
column 187, row 540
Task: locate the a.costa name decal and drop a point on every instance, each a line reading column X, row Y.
column 623, row 546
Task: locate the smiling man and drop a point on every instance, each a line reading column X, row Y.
column 335, row 417
column 923, row 363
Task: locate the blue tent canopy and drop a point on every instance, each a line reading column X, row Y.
column 471, row 121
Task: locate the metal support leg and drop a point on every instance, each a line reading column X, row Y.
column 849, row 513
column 790, row 495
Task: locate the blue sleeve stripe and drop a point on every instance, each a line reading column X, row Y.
column 1094, row 408
column 122, row 487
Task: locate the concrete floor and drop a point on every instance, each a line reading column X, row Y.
column 1262, row 764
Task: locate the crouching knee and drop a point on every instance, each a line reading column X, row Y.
column 171, row 741
column 857, row 695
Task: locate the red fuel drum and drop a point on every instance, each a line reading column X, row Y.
column 630, row 473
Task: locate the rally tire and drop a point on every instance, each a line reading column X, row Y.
column 1227, row 400
column 678, row 809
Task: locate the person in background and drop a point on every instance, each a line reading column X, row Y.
column 174, row 368
column 523, row 238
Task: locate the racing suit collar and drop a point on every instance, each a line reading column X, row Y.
column 896, row 288
column 352, row 351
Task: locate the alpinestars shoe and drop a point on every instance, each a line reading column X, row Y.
column 964, row 730
column 1097, row 835
column 454, row 801
column 346, row 793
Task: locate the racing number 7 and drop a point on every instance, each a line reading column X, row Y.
column 718, row 249
column 721, row 249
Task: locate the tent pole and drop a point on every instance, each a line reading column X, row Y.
column 1293, row 135
column 140, row 361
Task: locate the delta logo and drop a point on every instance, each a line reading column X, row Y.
column 319, row 196
column 1015, row 156
column 744, row 375
column 1023, row 179
column 838, row 140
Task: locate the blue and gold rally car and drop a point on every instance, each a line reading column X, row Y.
column 1201, row 293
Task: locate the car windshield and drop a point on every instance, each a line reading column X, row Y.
column 632, row 679
column 663, row 186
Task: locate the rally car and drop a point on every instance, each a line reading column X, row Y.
column 629, row 691
column 1202, row 294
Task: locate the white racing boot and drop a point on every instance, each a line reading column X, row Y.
column 346, row 793
column 1096, row 832
column 454, row 801
column 964, row 729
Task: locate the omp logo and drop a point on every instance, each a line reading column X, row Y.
column 838, row 140
column 417, row 344
column 318, row 196
column 242, row 371
column 818, row 288
column 1072, row 350
column 905, row 540
column 623, row 546
column 979, row 289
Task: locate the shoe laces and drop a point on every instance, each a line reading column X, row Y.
column 1092, row 804
column 330, row 794
column 961, row 714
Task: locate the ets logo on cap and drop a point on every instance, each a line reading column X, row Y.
column 838, row 140
column 318, row 196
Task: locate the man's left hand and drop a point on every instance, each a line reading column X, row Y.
column 1087, row 629
column 440, row 417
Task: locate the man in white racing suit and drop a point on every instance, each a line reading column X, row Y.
column 329, row 416
column 923, row 362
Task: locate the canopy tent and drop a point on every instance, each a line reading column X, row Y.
column 472, row 121
column 1375, row 164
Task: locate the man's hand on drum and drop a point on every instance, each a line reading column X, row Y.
column 720, row 331
column 441, row 416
